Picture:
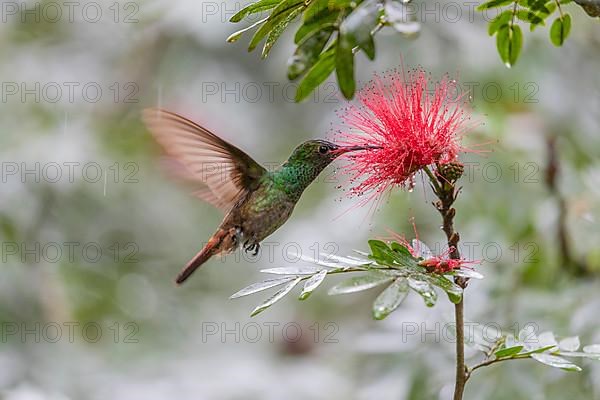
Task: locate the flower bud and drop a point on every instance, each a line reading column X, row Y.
column 451, row 172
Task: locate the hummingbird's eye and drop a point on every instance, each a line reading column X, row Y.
column 323, row 149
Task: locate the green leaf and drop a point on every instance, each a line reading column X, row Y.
column 380, row 252
column 509, row 351
column 259, row 6
column 357, row 27
column 452, row 289
column 542, row 6
column 360, row 283
column 502, row 42
column 509, row 41
column 559, row 31
column 317, row 74
column 276, row 297
column 277, row 31
column 569, row 344
column 312, row 283
column 531, row 17
column 542, row 9
column 500, row 20
column 403, row 257
column 369, row 48
column 493, row 4
column 516, row 43
column 393, row 255
column 260, row 286
column 307, row 53
column 279, row 15
column 400, row 249
column 344, row 66
column 312, row 27
column 425, row 290
column 556, row 362
column 390, row 298
column 317, row 9
column 539, row 350
column 236, row 35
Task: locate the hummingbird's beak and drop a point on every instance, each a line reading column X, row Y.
column 346, row 149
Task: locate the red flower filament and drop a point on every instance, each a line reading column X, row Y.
column 411, row 128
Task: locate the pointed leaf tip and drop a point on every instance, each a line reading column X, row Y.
column 556, row 362
column 260, row 286
column 312, row 283
column 390, row 298
column 275, row 298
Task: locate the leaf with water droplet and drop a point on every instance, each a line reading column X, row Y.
column 425, row 290
column 312, row 283
column 260, row 286
column 360, row 283
column 276, row 297
column 390, row 298
column 452, row 289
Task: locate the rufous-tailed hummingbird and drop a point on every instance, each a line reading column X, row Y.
column 256, row 202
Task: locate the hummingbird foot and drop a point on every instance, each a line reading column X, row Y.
column 253, row 247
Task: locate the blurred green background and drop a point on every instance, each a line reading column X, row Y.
column 87, row 301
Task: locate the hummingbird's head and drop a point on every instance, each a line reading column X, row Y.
column 308, row 160
column 321, row 153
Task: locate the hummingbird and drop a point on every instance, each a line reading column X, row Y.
column 256, row 202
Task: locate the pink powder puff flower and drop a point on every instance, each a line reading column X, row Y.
column 409, row 126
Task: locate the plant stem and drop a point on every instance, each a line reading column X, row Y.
column 446, row 193
column 493, row 361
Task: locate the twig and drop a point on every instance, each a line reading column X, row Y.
column 446, row 192
column 491, row 361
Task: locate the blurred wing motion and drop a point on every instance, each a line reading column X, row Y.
column 226, row 172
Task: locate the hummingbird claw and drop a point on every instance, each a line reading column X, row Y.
column 253, row 247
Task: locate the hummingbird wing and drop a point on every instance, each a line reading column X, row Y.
column 227, row 172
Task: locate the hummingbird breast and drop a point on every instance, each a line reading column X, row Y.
column 262, row 212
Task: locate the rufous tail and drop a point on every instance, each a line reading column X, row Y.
column 212, row 247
